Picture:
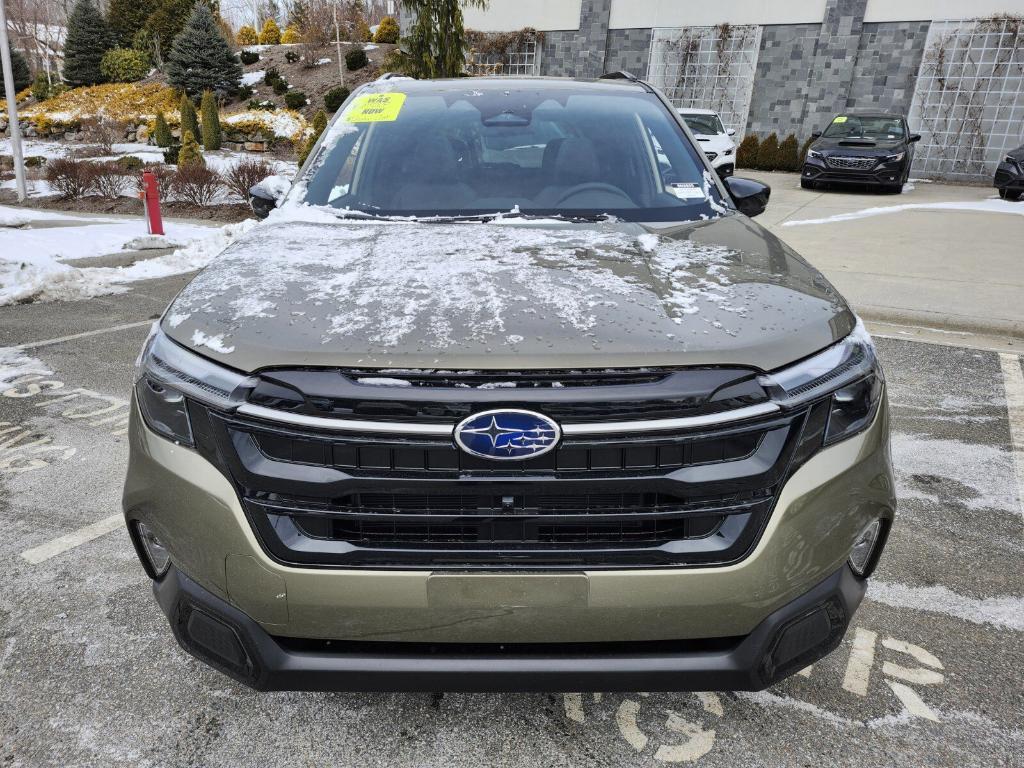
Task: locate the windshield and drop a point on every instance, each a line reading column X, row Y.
column 704, row 125
column 575, row 153
column 853, row 127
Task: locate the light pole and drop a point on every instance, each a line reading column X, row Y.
column 337, row 41
column 12, row 105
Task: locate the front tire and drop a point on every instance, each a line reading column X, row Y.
column 1008, row 195
column 808, row 184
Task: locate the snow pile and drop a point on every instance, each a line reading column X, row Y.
column 284, row 124
column 14, row 363
column 982, row 206
column 34, row 273
column 251, row 78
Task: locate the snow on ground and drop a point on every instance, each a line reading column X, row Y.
column 251, row 78
column 34, row 187
column 31, row 268
column 369, row 47
column 14, row 363
column 36, row 148
column 992, row 205
column 16, row 217
column 321, row 62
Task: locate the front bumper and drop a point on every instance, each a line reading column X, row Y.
column 1009, row 176
column 793, row 636
column 884, row 174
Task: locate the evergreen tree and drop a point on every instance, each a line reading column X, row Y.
column 319, row 125
column 190, row 153
column 211, row 121
column 19, row 68
column 166, row 22
column 189, row 122
column 436, row 45
column 271, row 33
column 161, row 131
column 88, row 38
column 247, row 35
column 127, row 17
column 201, row 59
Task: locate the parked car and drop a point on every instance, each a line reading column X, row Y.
column 716, row 141
column 871, row 148
column 459, row 416
column 1009, row 178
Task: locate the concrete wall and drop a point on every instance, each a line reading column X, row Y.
column 579, row 53
column 510, row 15
column 629, row 14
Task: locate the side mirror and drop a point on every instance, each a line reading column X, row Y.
column 751, row 197
column 261, row 201
column 816, row 135
column 731, row 132
column 914, row 137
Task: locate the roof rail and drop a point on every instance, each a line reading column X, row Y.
column 620, row 75
column 395, row 76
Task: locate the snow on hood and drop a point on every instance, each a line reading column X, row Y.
column 324, row 291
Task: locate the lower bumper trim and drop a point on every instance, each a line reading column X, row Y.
column 792, row 637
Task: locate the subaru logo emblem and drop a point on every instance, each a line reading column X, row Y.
column 507, row 434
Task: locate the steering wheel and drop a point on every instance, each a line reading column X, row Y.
column 594, row 186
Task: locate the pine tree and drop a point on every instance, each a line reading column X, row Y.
column 201, row 59
column 291, row 36
column 161, row 131
column 19, row 68
column 247, row 35
column 190, row 152
column 166, row 22
column 88, row 38
column 127, row 17
column 271, row 33
column 211, row 121
column 189, row 122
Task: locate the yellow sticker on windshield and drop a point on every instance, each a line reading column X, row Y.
column 840, row 119
column 375, row 108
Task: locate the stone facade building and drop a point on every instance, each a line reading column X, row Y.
column 787, row 66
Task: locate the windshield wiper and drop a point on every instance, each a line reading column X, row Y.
column 574, row 218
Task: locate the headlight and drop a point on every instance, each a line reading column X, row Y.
column 814, row 153
column 895, row 158
column 847, row 373
column 168, row 375
column 727, row 152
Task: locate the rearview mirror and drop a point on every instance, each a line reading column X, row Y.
column 261, row 201
column 914, row 137
column 816, row 135
column 731, row 131
column 751, row 197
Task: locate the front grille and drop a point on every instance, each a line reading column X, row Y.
column 319, row 498
column 852, row 163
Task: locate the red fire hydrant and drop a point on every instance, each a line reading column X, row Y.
column 151, row 203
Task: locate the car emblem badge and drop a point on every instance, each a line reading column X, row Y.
column 507, row 434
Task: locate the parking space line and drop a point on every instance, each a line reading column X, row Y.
column 71, row 540
column 83, row 335
column 1013, row 383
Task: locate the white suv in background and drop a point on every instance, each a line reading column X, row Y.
column 715, row 140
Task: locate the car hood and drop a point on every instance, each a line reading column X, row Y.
column 505, row 296
column 859, row 147
column 716, row 142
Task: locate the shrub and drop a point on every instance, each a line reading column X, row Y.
column 280, row 86
column 70, row 178
column 335, row 97
column 245, row 174
column 319, row 124
column 124, row 65
column 19, row 68
column 247, row 36
column 171, row 154
column 249, row 57
column 768, row 154
column 271, row 33
column 40, row 87
column 201, row 59
column 271, row 76
column 35, row 161
column 356, row 59
column 361, row 31
column 387, row 31
column 746, row 154
column 266, row 104
column 161, row 131
column 789, row 154
column 295, row 99
column 291, row 57
column 291, row 36
column 130, row 163
column 109, row 179
column 104, row 131
column 245, row 92
column 195, row 183
column 190, row 153
column 163, row 179
column 211, row 122
column 88, row 38
column 189, row 121
column 803, row 151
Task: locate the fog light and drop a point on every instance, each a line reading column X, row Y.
column 864, row 548
column 159, row 557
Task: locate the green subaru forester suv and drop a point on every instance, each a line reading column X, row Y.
column 508, row 392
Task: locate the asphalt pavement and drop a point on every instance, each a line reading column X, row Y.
column 930, row 674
